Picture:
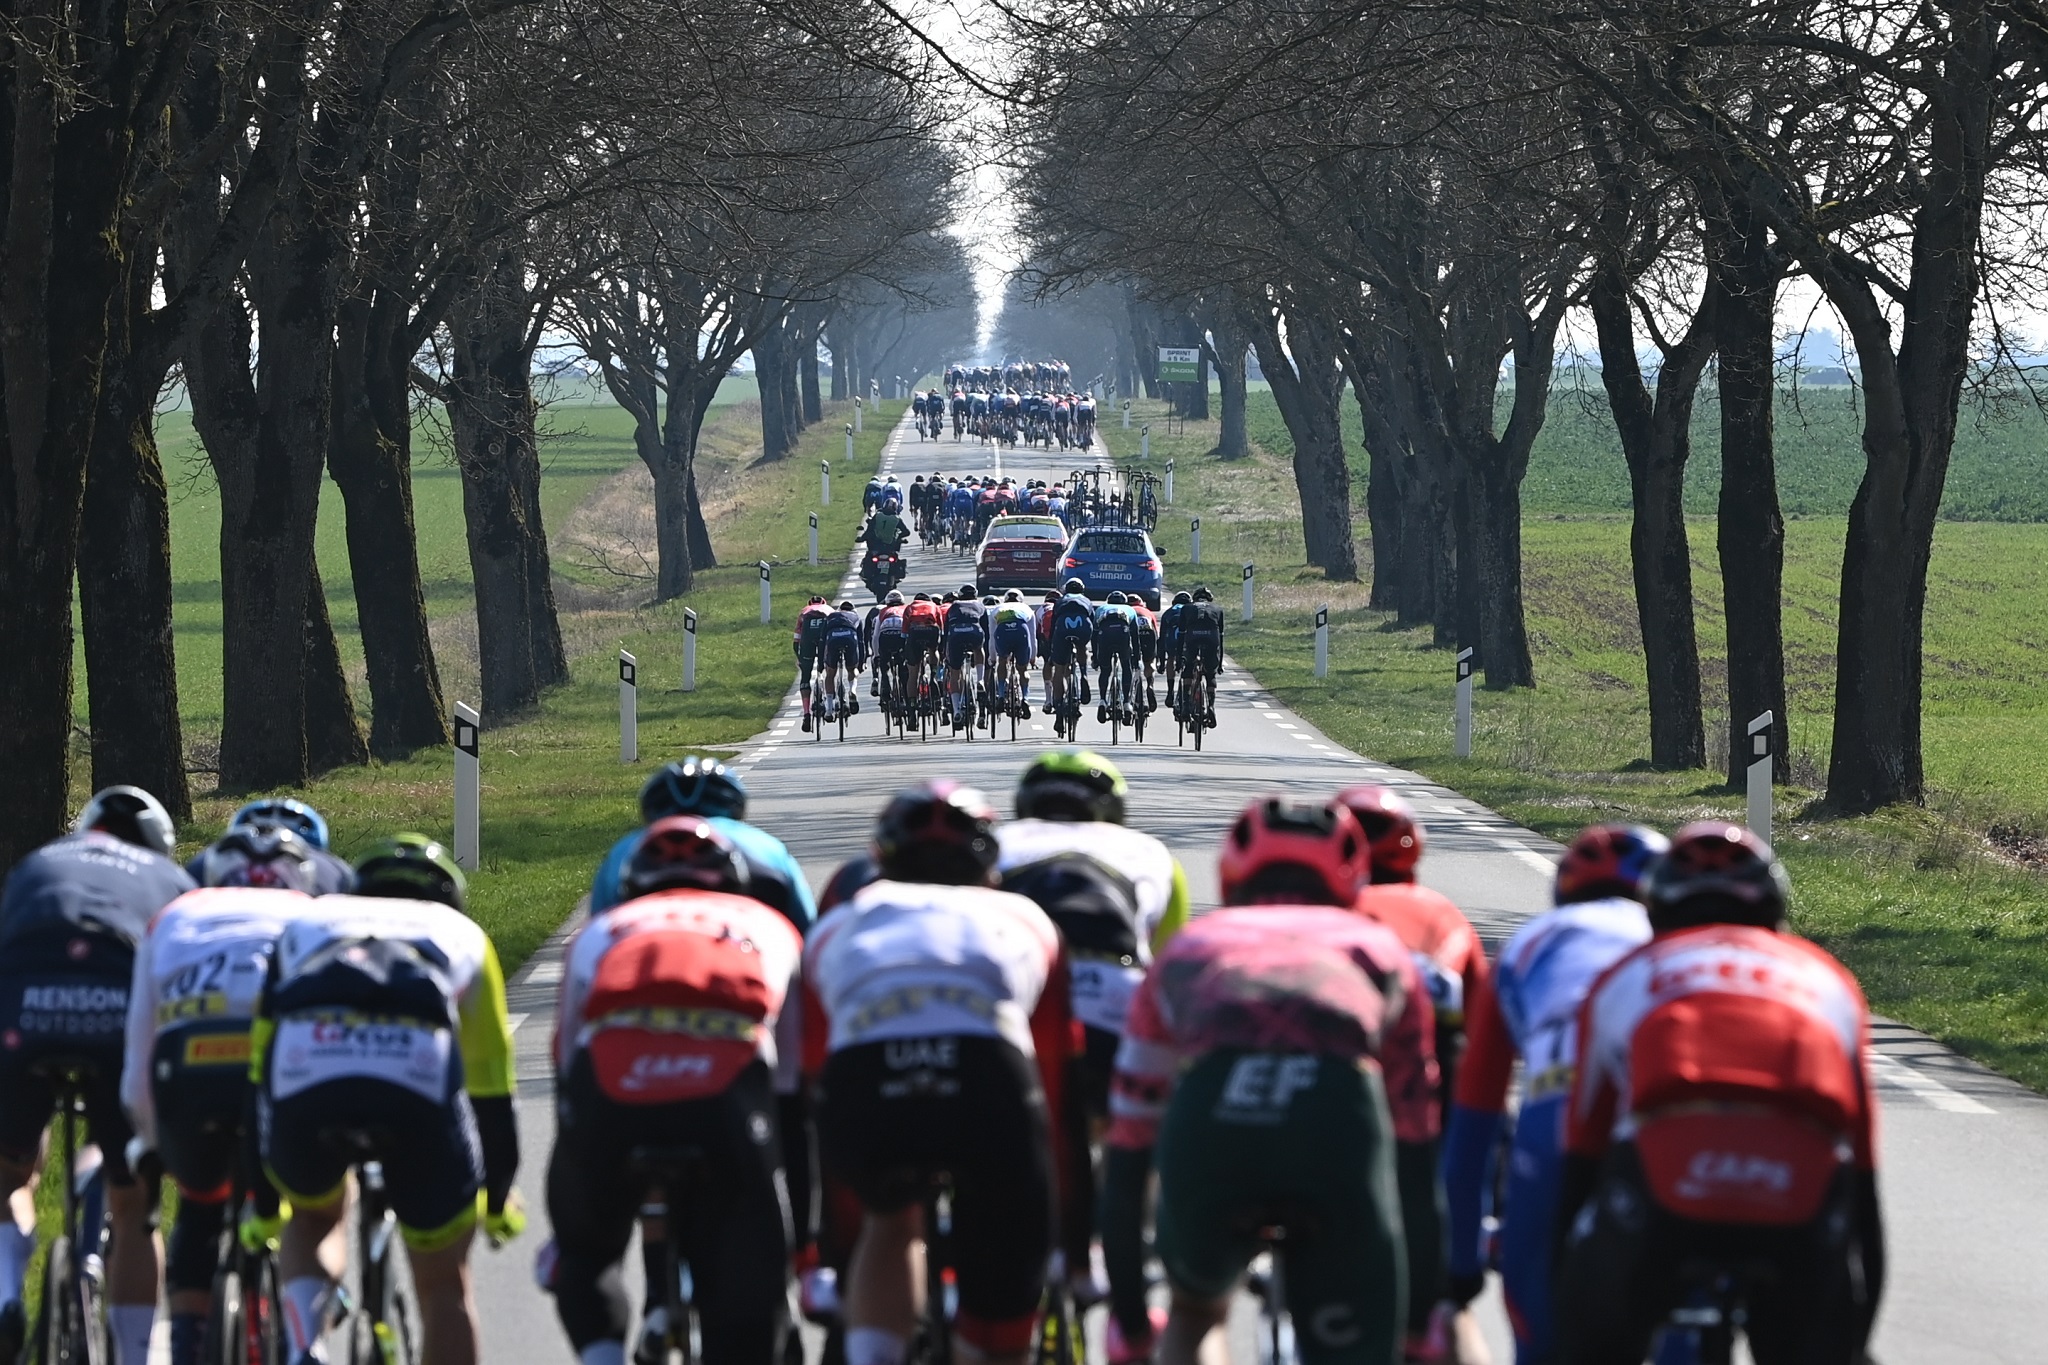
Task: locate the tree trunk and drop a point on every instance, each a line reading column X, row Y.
column 369, row 453
column 791, row 391
column 1308, row 386
column 842, row 381
column 334, row 737
column 1192, row 400
column 807, row 375
column 1490, row 561
column 1751, row 532
column 1232, row 443
column 770, row 363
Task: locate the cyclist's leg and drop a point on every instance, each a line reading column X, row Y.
column 26, row 1102
column 198, row 1122
column 435, row 1182
column 593, row 1198
column 1619, row 1277
column 311, row 1251
column 735, row 1227
column 1003, row 1204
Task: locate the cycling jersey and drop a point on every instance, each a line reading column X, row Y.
column 886, row 623
column 845, row 643
column 810, row 630
column 773, row 875
column 1016, row 632
column 966, row 630
column 1155, row 874
column 1446, row 948
column 1074, row 615
column 1116, row 628
column 921, row 615
column 87, row 881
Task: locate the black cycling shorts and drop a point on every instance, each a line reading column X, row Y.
column 1110, row 646
column 1148, row 646
column 65, row 1002
column 961, row 643
column 1199, row 650
column 923, row 639
column 199, row 1084
column 895, row 1115
column 890, row 649
column 730, row 1223
column 842, row 653
column 1069, row 646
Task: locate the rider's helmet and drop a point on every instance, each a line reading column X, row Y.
column 922, row 597
column 703, row 787
column 1293, row 852
column 1052, row 595
column 847, row 605
column 818, row 600
column 283, row 813
column 257, row 856
column 1117, row 599
column 412, row 867
column 683, row 852
column 1074, row 585
column 938, row 832
column 131, row 815
column 1203, row 594
column 1608, row 860
column 1072, row 784
column 967, row 590
column 891, row 503
column 894, row 599
column 1717, row 873
column 1391, row 829
column 1181, row 599
column 918, row 479
column 1014, row 595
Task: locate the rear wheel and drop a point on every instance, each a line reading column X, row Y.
column 60, row 1336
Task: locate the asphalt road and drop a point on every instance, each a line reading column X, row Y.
column 1965, row 1184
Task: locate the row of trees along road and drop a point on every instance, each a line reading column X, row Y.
column 1407, row 201
column 321, row 216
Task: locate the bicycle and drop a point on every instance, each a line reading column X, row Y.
column 1192, row 708
column 1269, row 1287
column 1113, row 698
column 381, row 1319
column 75, row 1333
column 246, row 1323
column 933, row 1342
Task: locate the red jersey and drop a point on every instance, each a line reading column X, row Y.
column 1735, row 1059
column 917, row 615
column 1446, row 946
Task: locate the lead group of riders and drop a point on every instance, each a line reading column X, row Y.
column 1025, row 1010
column 1032, row 401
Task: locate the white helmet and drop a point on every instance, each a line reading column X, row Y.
column 131, row 815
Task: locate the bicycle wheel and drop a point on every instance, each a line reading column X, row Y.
column 227, row 1324
column 59, row 1334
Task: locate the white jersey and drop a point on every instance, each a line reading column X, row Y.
column 911, row 960
column 202, row 961
column 1141, row 859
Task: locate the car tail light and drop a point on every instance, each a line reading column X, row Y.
column 1073, row 563
column 1152, row 565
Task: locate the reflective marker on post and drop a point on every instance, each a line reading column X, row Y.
column 825, row 482
column 1127, row 414
column 629, row 709
column 814, row 540
column 1760, row 776
column 858, row 408
column 469, row 786
column 1145, row 442
column 849, row 440
column 766, row 614
column 1247, row 592
column 1462, row 735
column 1323, row 641
column 689, row 650
column 1169, row 481
column 1195, row 541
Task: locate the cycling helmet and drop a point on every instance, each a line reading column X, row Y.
column 131, row 815
column 412, row 867
column 967, row 590
column 892, row 503
column 853, row 874
column 1075, row 585
column 695, row 786
column 285, row 813
column 922, row 597
column 1117, row 599
column 894, row 599
column 1608, row 860
column 989, row 600
column 1181, row 599
column 1052, row 595
column 684, row 852
column 1204, row 595
column 1014, row 595
column 1072, row 784
column 1390, row 827
column 847, row 605
column 1299, row 852
column 937, row 832
column 256, row 856
column 818, row 600
column 1717, row 873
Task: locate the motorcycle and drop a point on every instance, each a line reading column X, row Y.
column 881, row 572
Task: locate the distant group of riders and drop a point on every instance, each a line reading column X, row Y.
column 1029, row 402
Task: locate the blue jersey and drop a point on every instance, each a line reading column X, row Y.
column 89, row 881
column 1546, row 970
column 776, row 880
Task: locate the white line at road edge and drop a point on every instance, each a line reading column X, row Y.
column 1527, row 855
column 1892, row 1071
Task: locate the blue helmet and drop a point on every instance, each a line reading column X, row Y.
column 694, row 786
column 1609, row 860
column 283, row 813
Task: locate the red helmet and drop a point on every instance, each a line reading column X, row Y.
column 1608, row 860
column 1716, row 871
column 684, row 852
column 937, row 832
column 1311, row 851
column 1390, row 826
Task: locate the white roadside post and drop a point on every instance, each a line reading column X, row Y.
column 858, row 407
column 469, row 788
column 1169, row 482
column 1195, row 540
column 814, row 540
column 1323, row 641
column 689, row 650
column 1461, row 742
column 825, row 482
column 1760, row 776
column 629, row 708
column 1127, row 414
column 767, row 614
column 1247, row 592
column 874, row 390
column 1145, row 442
column 849, row 440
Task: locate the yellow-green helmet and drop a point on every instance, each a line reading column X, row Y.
column 1072, row 784
column 412, row 867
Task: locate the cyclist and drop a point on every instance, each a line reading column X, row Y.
column 70, row 918
column 845, row 652
column 1721, row 1114
column 1531, row 1011
column 301, row 819
column 1147, row 648
column 888, row 638
column 871, row 496
column 1116, row 646
column 1072, row 626
column 1262, row 1056
column 1201, row 643
column 809, row 644
column 384, row 1014
column 884, row 535
column 185, row 1076
column 708, row 790
column 1170, row 640
column 1015, row 634
column 941, row 1035
column 967, row 628
column 668, row 1036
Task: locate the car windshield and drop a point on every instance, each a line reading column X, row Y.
column 1112, row 543
column 1024, row 530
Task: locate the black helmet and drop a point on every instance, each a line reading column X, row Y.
column 1181, row 599
column 967, row 590
column 131, row 815
column 1202, row 594
column 1717, row 873
column 1075, row 585
column 695, row 786
column 683, row 852
column 252, row 856
column 937, row 832
column 1116, row 599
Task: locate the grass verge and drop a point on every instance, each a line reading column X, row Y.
column 1941, row 911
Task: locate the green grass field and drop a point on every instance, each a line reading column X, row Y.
column 1946, row 929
